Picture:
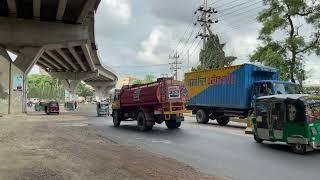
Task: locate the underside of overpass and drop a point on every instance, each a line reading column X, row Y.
column 56, row 35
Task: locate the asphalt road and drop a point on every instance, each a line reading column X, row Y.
column 222, row 151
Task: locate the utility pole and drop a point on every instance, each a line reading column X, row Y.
column 175, row 65
column 205, row 20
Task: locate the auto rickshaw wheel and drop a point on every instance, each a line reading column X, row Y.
column 257, row 139
column 116, row 119
column 142, row 124
column 202, row 116
column 299, row 148
column 173, row 124
column 223, row 121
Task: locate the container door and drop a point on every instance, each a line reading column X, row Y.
column 262, row 120
column 277, row 120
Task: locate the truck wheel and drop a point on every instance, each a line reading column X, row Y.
column 142, row 124
column 299, row 148
column 202, row 117
column 173, row 124
column 116, row 119
column 223, row 121
column 257, row 139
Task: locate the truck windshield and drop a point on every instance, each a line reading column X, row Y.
column 286, row 88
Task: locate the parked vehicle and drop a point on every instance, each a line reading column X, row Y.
column 294, row 119
column 156, row 102
column 52, row 107
column 102, row 109
column 228, row 92
column 40, row 106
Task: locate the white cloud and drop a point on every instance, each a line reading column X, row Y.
column 119, row 9
column 156, row 48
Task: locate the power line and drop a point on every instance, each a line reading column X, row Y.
column 232, row 12
column 186, row 44
column 189, row 46
column 187, row 29
column 181, row 39
column 237, row 5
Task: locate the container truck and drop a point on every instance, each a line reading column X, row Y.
column 156, row 102
column 230, row 91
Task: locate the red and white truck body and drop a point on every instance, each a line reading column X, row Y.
column 162, row 100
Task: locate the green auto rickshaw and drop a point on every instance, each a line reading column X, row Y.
column 290, row 118
column 102, row 109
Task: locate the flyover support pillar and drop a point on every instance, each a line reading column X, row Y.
column 71, row 86
column 25, row 61
column 102, row 92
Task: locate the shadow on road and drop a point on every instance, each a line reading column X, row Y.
column 285, row 148
column 155, row 131
column 217, row 125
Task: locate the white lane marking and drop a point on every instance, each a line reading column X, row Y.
column 161, row 141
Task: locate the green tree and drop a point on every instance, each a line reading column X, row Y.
column 282, row 18
column 84, row 91
column 212, row 55
column 147, row 79
column 44, row 87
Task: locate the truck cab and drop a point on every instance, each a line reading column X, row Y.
column 274, row 87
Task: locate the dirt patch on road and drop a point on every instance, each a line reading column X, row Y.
column 42, row 147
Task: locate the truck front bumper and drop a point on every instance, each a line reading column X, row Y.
column 315, row 145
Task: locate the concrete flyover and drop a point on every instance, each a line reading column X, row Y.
column 58, row 36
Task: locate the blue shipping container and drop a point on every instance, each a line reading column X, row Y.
column 228, row 87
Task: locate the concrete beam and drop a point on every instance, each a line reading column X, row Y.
column 87, row 54
column 53, row 56
column 73, row 75
column 88, row 6
column 41, row 65
column 50, row 62
column 22, row 32
column 61, row 8
column 12, row 7
column 67, row 59
column 36, row 9
column 106, row 73
column 110, row 84
column 28, row 58
column 64, row 45
column 44, row 64
column 77, row 58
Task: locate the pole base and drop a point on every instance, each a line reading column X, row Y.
column 248, row 130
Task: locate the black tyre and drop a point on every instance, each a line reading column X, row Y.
column 223, row 121
column 202, row 116
column 257, row 139
column 299, row 148
column 173, row 124
column 116, row 119
column 142, row 124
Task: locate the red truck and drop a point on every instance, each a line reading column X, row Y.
column 162, row 100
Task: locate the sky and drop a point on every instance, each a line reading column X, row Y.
column 136, row 37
